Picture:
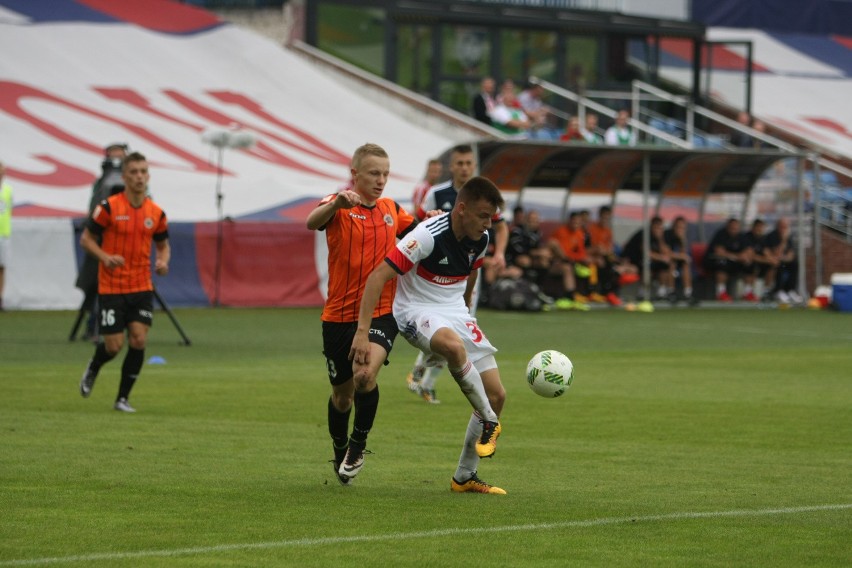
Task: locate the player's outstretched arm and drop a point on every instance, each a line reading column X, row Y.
column 323, row 213
column 360, row 350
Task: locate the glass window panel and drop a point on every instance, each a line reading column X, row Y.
column 354, row 34
column 414, row 58
column 466, row 51
column 527, row 54
column 581, row 62
column 458, row 95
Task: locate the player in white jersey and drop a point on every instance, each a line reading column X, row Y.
column 422, row 377
column 437, row 267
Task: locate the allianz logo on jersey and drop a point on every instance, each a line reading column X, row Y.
column 443, row 279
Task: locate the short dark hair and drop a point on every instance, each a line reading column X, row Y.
column 462, row 149
column 133, row 157
column 479, row 187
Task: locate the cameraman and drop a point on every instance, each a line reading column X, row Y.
column 108, row 184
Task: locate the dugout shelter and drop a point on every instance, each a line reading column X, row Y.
column 658, row 172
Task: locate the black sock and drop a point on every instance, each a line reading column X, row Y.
column 366, row 405
column 130, row 370
column 338, row 428
column 101, row 357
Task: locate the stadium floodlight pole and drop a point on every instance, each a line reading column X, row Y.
column 221, row 139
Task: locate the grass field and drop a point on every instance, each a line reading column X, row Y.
column 689, row 438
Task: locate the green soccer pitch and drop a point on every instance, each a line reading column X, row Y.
column 688, row 438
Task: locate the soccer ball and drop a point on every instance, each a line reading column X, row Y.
column 550, row 373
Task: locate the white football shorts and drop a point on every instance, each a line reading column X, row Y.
column 418, row 325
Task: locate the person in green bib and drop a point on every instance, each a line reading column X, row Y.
column 5, row 228
column 621, row 133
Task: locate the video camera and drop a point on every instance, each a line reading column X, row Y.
column 111, row 177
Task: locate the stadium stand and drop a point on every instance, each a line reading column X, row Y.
column 64, row 96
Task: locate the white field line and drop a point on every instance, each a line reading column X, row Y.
column 306, row 542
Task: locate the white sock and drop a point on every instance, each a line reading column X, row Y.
column 687, row 291
column 418, row 369
column 430, row 375
column 469, row 459
column 470, row 384
column 720, row 288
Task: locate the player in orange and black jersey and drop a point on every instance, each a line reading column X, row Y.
column 361, row 227
column 125, row 224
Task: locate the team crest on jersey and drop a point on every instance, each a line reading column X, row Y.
column 388, row 220
column 410, row 249
column 470, row 257
column 149, row 223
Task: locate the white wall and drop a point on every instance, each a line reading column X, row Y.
column 42, row 268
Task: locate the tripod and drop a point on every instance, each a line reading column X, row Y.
column 83, row 309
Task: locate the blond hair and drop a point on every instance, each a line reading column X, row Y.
column 367, row 150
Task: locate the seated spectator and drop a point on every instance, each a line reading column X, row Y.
column 621, row 133
column 508, row 116
column 727, row 258
column 573, row 131
column 739, row 138
column 525, row 251
column 570, row 261
column 764, row 262
column 783, row 247
column 483, row 101
column 660, row 259
column 591, row 131
column 609, row 267
column 675, row 237
column 760, row 126
column 516, row 286
column 538, row 113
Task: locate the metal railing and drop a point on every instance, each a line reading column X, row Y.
column 832, row 207
column 691, row 110
column 584, row 103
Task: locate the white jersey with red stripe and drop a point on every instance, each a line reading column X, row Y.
column 434, row 265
